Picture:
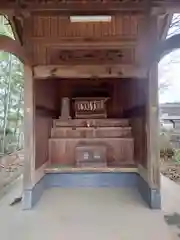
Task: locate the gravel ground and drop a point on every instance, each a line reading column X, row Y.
column 170, row 169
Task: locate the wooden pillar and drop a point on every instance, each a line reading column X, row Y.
column 153, row 129
column 29, row 139
column 150, row 186
column 152, row 120
column 152, row 113
column 29, row 128
column 29, row 111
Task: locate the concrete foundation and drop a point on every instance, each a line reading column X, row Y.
column 92, row 180
column 151, row 196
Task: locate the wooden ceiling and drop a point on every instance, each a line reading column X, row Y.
column 56, row 40
column 44, row 29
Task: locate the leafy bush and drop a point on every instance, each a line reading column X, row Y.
column 177, row 156
column 167, row 153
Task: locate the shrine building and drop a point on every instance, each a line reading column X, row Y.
column 91, row 92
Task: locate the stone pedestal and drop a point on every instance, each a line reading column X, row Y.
column 65, row 109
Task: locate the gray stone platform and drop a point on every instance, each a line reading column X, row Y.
column 94, row 213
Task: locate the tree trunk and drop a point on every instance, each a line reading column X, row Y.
column 7, row 103
column 18, row 116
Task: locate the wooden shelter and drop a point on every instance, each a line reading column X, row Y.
column 91, row 91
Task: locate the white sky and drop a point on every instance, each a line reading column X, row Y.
column 169, row 70
column 169, row 73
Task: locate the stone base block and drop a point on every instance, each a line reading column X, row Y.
column 151, row 196
column 32, row 196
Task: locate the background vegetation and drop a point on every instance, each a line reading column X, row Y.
column 11, row 97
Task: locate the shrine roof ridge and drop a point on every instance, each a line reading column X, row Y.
column 81, row 5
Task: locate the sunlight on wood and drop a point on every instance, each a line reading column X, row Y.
column 90, row 18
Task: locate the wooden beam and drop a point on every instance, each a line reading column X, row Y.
column 80, row 43
column 89, row 7
column 90, row 12
column 88, row 71
column 75, row 6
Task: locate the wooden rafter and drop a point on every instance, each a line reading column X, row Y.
column 164, row 26
column 16, row 27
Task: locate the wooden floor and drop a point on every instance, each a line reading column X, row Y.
column 60, row 169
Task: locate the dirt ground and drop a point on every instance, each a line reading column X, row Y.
column 170, row 169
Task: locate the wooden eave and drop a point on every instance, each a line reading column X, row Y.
column 88, row 6
column 44, row 31
column 75, row 6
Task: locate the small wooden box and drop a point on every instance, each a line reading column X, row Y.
column 90, row 155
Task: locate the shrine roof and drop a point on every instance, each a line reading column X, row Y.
column 81, row 5
column 45, row 29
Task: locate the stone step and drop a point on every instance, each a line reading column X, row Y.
column 91, row 132
column 91, row 164
column 91, row 123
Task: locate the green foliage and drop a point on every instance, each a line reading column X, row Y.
column 168, row 153
column 11, row 96
column 166, row 149
column 177, row 156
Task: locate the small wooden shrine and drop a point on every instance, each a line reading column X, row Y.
column 91, row 91
column 90, row 107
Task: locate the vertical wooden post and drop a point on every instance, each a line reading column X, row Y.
column 29, row 111
column 149, row 186
column 29, row 132
column 32, row 189
column 153, row 128
column 152, row 120
column 152, row 109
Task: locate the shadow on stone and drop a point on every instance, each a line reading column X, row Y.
column 173, row 219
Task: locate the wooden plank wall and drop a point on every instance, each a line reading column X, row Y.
column 62, row 27
column 118, row 97
column 136, row 110
column 49, row 32
column 127, row 99
column 45, row 101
